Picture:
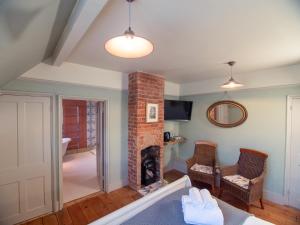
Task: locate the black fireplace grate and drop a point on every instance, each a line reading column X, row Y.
column 150, row 168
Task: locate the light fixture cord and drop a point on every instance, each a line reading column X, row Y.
column 226, row 96
column 129, row 14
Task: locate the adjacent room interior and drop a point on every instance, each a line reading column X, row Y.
column 112, row 110
column 81, row 170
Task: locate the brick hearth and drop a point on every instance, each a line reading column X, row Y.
column 142, row 89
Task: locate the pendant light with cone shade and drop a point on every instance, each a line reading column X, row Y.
column 128, row 45
column 231, row 83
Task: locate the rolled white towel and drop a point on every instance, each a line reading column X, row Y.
column 208, row 200
column 185, row 199
column 196, row 197
column 193, row 215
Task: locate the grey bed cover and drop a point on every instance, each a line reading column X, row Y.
column 168, row 211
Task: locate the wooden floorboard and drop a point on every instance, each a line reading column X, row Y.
column 38, row 221
column 88, row 211
column 90, row 208
column 50, row 220
column 77, row 214
column 64, row 217
column 97, row 206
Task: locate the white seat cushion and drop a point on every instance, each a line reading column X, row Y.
column 201, row 168
column 239, row 180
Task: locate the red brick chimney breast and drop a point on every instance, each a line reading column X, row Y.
column 143, row 89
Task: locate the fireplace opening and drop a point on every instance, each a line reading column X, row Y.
column 150, row 172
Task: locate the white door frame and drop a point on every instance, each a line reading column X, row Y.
column 288, row 149
column 59, row 147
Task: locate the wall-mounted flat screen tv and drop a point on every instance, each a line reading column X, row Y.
column 178, row 110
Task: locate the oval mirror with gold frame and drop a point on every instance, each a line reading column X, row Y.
column 227, row 114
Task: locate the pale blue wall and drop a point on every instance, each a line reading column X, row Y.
column 117, row 119
column 171, row 151
column 265, row 129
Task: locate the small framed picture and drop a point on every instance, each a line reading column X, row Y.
column 152, row 113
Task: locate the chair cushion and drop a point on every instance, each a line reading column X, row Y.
column 239, row 180
column 202, row 169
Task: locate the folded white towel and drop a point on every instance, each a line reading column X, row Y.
column 193, row 215
column 199, row 207
column 196, row 197
column 207, row 199
column 185, row 199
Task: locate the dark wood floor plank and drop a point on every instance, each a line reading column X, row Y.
column 38, row 221
column 108, row 204
column 88, row 211
column 97, row 206
column 173, row 175
column 50, row 220
column 118, row 199
column 64, row 217
column 76, row 214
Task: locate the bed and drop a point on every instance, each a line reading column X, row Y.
column 163, row 207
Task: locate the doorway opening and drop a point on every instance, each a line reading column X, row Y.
column 83, row 131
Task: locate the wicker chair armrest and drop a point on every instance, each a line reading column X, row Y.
column 256, row 188
column 228, row 170
column 257, row 180
column 190, row 162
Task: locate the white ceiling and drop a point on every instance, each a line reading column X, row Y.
column 29, row 31
column 192, row 39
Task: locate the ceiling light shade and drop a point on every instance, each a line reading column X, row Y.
column 231, row 83
column 129, row 45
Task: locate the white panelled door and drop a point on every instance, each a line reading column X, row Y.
column 294, row 192
column 25, row 158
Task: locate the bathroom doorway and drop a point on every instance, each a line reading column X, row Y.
column 83, row 142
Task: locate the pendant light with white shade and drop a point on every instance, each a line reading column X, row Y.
column 129, row 45
column 231, row 83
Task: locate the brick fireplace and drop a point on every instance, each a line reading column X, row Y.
column 142, row 89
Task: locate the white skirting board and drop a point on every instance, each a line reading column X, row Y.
column 180, row 165
column 112, row 186
column 275, row 197
column 168, row 168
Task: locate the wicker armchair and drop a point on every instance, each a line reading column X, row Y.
column 251, row 165
column 204, row 154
